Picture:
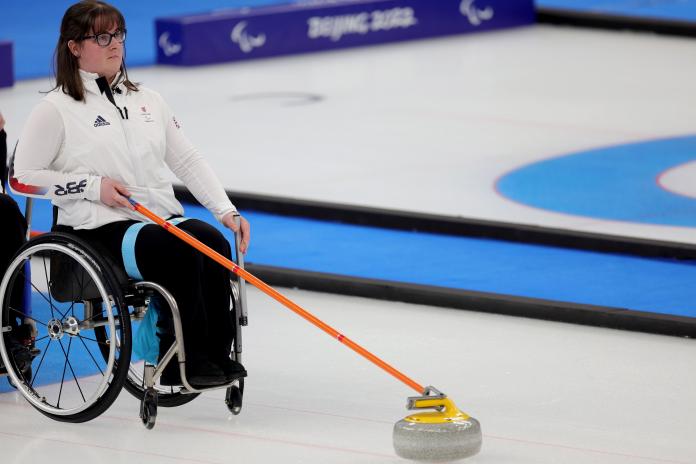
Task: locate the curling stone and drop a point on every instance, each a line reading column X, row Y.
column 445, row 434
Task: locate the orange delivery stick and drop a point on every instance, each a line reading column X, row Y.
column 270, row 291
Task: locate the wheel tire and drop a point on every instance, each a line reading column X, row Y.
column 234, row 396
column 148, row 408
column 96, row 269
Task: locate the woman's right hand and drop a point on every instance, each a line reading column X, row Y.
column 114, row 194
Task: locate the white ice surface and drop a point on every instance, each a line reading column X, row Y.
column 680, row 179
column 544, row 392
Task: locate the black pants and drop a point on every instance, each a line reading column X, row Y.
column 13, row 229
column 200, row 286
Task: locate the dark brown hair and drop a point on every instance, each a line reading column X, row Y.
column 84, row 18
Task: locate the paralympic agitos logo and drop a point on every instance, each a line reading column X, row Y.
column 246, row 41
column 475, row 15
column 168, row 48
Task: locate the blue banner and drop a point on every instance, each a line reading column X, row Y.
column 330, row 24
column 6, row 64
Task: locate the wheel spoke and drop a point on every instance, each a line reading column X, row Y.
column 65, row 367
column 48, row 283
column 47, row 300
column 90, row 355
column 73, row 374
column 93, row 316
column 68, row 365
column 36, row 372
column 72, row 287
column 92, row 340
column 28, row 317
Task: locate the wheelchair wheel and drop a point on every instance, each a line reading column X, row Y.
column 148, row 408
column 167, row 396
column 234, row 396
column 63, row 286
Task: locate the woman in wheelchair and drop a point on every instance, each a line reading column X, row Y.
column 97, row 139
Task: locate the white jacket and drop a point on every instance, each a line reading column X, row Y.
column 66, row 147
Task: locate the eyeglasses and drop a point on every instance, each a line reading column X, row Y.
column 104, row 39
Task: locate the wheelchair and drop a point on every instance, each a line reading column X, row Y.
column 80, row 311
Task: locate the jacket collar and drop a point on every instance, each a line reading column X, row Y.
column 89, row 80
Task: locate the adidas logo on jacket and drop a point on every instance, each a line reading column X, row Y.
column 101, row 122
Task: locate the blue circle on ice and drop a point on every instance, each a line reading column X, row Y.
column 617, row 183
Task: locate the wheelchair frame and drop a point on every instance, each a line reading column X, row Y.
column 136, row 295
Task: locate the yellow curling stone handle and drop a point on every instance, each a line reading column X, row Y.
column 447, row 412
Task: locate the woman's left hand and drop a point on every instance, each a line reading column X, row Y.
column 228, row 221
